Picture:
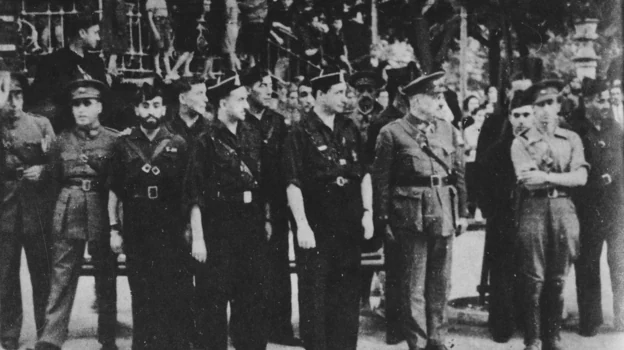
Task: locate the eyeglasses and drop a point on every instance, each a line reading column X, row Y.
column 518, row 115
column 87, row 102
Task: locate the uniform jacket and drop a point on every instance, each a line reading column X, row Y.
column 25, row 142
column 400, row 158
column 133, row 182
column 604, row 149
column 178, row 126
column 82, row 155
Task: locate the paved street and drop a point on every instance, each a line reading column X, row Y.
column 466, row 273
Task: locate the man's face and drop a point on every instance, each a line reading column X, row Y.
column 351, row 100
column 15, row 103
column 521, row 119
column 599, row 104
column 547, row 111
column 235, row 104
column 207, row 4
column 293, row 99
column 429, row 104
column 91, row 36
column 335, row 98
column 86, row 111
column 306, row 100
column 616, row 96
column 337, row 24
column 151, row 112
column 261, row 91
column 195, row 98
column 492, row 94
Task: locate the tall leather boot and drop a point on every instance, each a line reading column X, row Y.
column 532, row 316
column 553, row 318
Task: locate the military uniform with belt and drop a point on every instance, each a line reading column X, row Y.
column 79, row 160
column 326, row 166
column 548, row 162
column 147, row 175
column 420, row 193
column 25, row 212
column 223, row 182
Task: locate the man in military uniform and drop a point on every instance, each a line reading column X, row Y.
column 79, row 159
column 330, row 195
column 228, row 215
column 146, row 174
column 272, row 130
column 600, row 206
column 419, row 197
column 27, row 199
column 189, row 121
column 548, row 162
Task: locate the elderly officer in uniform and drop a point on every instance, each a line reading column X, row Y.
column 79, row 159
column 27, row 200
column 330, row 195
column 548, row 162
column 272, row 129
column 600, row 207
column 420, row 196
column 146, row 174
column 228, row 216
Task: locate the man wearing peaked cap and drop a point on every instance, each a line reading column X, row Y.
column 548, row 162
column 79, row 160
column 330, row 196
column 270, row 127
column 600, row 208
column 425, row 186
column 26, row 201
column 224, row 198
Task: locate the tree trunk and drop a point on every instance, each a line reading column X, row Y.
column 419, row 35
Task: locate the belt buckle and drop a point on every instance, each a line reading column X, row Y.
column 86, row 185
column 436, row 181
column 552, row 193
column 152, row 192
column 606, row 179
column 19, row 173
column 341, row 181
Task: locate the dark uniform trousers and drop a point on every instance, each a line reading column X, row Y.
column 235, row 272
column 25, row 211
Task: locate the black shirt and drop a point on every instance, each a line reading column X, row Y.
column 317, row 159
column 178, row 126
column 272, row 131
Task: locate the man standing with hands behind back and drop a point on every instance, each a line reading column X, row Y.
column 419, row 195
column 330, row 195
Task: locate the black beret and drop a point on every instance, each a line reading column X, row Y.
column 253, row 75
column 223, row 85
column 328, row 79
column 591, row 87
column 521, row 98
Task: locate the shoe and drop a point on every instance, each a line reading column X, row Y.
column 288, row 341
column 552, row 344
column 501, row 338
column 10, row 344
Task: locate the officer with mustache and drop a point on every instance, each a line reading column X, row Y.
column 146, row 174
column 600, row 206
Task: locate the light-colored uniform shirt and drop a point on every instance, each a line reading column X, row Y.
column 158, row 7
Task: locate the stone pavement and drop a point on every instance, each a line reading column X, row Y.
column 466, row 272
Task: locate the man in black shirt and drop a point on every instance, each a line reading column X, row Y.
column 330, row 194
column 189, row 121
column 57, row 70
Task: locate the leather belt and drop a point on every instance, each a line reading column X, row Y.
column 244, row 197
column 427, row 181
column 147, row 192
column 340, row 181
column 87, row 185
column 555, row 192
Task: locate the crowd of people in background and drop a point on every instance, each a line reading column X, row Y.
column 216, row 168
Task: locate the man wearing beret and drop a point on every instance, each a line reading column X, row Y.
column 146, row 174
column 420, row 198
column 330, row 195
column 600, row 206
column 27, row 200
column 228, row 216
column 497, row 195
column 79, row 159
column 271, row 128
column 548, row 162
